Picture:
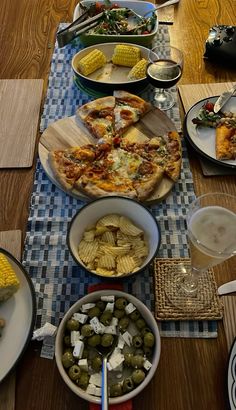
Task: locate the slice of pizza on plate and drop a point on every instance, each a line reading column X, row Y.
column 225, row 142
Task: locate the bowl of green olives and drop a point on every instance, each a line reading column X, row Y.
column 99, row 320
column 114, row 237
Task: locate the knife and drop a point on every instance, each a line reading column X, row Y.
column 228, row 287
column 223, row 98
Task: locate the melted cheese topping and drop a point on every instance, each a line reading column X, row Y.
column 125, row 163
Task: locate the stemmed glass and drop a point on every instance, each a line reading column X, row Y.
column 211, row 230
column 163, row 71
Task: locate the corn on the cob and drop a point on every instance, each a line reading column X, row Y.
column 139, row 70
column 91, row 62
column 9, row 282
column 126, row 55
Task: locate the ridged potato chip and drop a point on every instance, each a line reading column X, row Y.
column 128, row 228
column 87, row 251
column 111, row 220
column 125, row 264
column 108, row 237
column 106, row 261
column 89, row 235
column 104, row 272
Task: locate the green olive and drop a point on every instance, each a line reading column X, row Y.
column 115, row 390
column 145, row 330
column 147, row 351
column 72, row 324
column 106, row 317
column 128, row 358
column 107, row 340
column 137, row 341
column 67, row 340
column 140, row 323
column 149, row 339
column 94, row 340
column 67, row 359
column 123, row 323
column 119, row 313
column 128, row 384
column 121, row 303
column 138, row 376
column 85, row 353
column 94, row 312
column 83, row 380
column 137, row 361
column 74, row 372
column 134, row 315
column 68, row 349
column 101, row 305
column 87, row 330
column 96, row 363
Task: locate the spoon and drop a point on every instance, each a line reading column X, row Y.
column 105, row 352
column 160, row 6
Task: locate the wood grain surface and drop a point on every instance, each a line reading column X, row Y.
column 192, row 373
column 11, row 241
column 70, row 132
column 20, row 102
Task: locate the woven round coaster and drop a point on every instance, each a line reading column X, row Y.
column 170, row 304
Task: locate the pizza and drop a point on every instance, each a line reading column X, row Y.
column 110, row 116
column 164, row 151
column 101, row 170
column 115, row 165
column 225, row 130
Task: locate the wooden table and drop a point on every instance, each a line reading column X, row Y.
column 191, row 373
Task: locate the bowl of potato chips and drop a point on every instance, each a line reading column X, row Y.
column 114, row 237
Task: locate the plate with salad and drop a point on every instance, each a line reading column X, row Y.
column 119, row 22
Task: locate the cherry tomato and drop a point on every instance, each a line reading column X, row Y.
column 209, row 106
column 115, row 6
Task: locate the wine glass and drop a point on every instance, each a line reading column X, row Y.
column 211, row 230
column 163, row 71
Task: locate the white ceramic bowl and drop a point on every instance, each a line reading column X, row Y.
column 93, row 211
column 148, row 317
column 109, row 76
column 140, row 7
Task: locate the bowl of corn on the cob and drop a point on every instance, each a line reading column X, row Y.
column 139, row 7
column 17, row 310
column 113, row 65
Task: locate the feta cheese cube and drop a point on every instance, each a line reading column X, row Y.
column 91, row 389
column 96, row 325
column 109, row 368
column 130, row 308
column 82, row 318
column 147, row 365
column 116, row 358
column 111, row 330
column 87, row 306
column 110, row 306
column 78, row 349
column 83, row 364
column 110, row 298
column 74, row 337
column 127, row 338
column 96, row 379
column 121, row 342
column 114, row 321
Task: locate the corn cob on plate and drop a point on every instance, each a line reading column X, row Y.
column 113, row 65
column 17, row 309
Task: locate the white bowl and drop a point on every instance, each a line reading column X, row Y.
column 140, row 7
column 109, row 76
column 148, row 317
column 93, row 211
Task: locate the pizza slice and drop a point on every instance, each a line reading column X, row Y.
column 98, row 117
column 225, row 142
column 129, row 108
column 121, row 173
column 164, row 151
column 69, row 164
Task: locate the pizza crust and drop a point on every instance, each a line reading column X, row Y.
column 59, row 176
column 225, row 145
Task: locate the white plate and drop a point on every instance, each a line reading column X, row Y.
column 232, row 377
column 203, row 138
column 19, row 313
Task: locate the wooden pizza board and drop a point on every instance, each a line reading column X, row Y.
column 20, row 102
column 69, row 132
column 11, row 241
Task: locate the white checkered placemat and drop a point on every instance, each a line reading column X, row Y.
column 58, row 280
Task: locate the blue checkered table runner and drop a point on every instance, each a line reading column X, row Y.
column 58, row 280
